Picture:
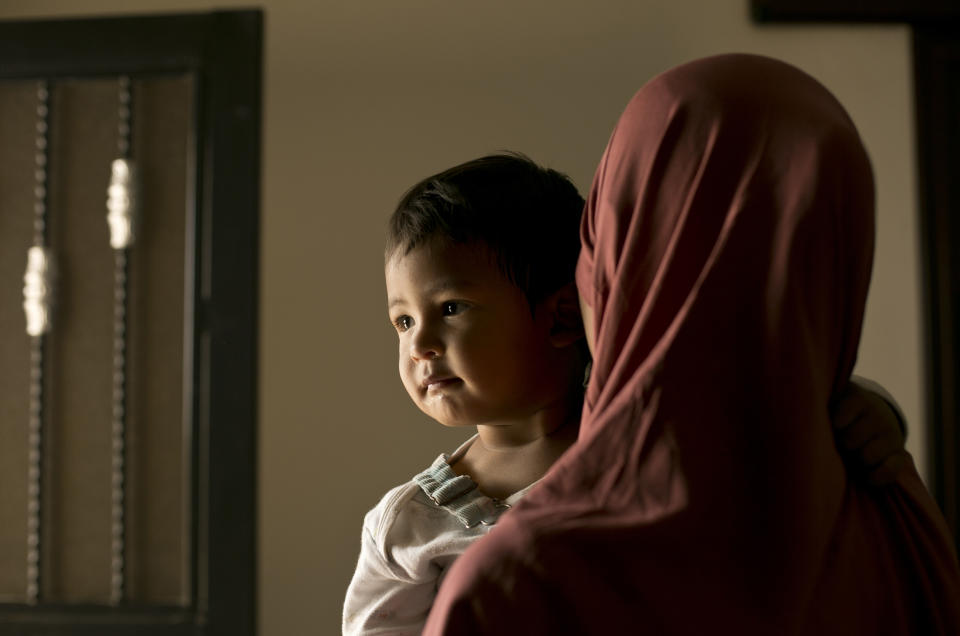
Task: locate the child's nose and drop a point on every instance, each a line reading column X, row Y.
column 426, row 345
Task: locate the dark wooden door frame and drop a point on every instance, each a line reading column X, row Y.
column 935, row 26
column 222, row 50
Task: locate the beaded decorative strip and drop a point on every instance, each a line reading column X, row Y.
column 121, row 217
column 37, row 305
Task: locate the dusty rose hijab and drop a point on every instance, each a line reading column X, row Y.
column 727, row 247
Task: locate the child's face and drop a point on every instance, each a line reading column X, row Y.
column 471, row 351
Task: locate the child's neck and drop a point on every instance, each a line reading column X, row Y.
column 506, row 458
column 506, row 438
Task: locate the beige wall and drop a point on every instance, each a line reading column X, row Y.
column 364, row 98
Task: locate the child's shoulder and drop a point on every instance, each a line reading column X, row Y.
column 389, row 507
column 401, row 508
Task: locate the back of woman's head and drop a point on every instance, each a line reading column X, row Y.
column 734, row 188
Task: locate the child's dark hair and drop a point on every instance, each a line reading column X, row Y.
column 526, row 215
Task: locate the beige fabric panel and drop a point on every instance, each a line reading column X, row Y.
column 77, row 488
column 17, row 112
column 159, row 519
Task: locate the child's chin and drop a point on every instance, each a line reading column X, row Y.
column 450, row 421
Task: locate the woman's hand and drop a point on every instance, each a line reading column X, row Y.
column 869, row 435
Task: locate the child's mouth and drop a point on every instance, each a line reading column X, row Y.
column 438, row 383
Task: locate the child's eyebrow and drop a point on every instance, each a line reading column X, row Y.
column 440, row 287
column 450, row 284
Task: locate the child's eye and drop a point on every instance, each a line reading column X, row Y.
column 452, row 308
column 402, row 323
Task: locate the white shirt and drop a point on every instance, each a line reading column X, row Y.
column 409, row 541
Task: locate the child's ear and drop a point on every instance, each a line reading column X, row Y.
column 566, row 324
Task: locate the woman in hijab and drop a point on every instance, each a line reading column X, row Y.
column 727, row 247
